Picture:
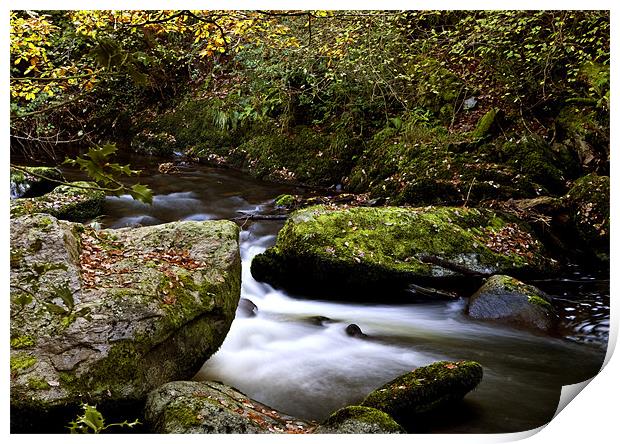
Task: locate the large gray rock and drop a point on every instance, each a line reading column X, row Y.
column 425, row 389
column 375, row 249
column 77, row 202
column 212, row 407
column 506, row 299
column 359, row 419
column 106, row 316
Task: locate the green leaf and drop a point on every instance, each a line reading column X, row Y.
column 142, row 193
column 93, row 418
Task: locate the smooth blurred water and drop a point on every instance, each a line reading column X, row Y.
column 295, row 355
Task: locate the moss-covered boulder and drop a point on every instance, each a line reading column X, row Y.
column 588, row 203
column 34, row 181
column 371, row 250
column 425, row 389
column 77, row 201
column 359, row 419
column 506, row 299
column 212, row 407
column 105, row 316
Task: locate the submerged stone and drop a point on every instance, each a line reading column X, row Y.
column 425, row 389
column 76, row 201
column 373, row 250
column 212, row 407
column 359, row 419
column 505, row 299
column 106, row 316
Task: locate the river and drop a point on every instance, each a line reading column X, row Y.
column 295, row 355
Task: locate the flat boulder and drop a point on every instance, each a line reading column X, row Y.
column 359, row 419
column 508, row 300
column 212, row 407
column 76, row 201
column 425, row 389
column 105, row 316
column 371, row 250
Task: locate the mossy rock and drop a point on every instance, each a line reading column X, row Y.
column 359, row 419
column 584, row 130
column 105, row 316
column 76, row 201
column 212, row 407
column 588, row 203
column 550, row 168
column 34, row 181
column 366, row 249
column 508, row 300
column 425, row 389
column 427, row 165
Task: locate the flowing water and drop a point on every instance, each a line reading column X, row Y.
column 293, row 353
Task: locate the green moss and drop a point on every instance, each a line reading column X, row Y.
column 184, row 414
column 119, row 369
column 38, row 384
column 483, row 127
column 366, row 415
column 536, row 158
column 22, row 342
column 21, row 362
column 67, row 378
column 285, row 200
column 537, row 300
column 425, row 389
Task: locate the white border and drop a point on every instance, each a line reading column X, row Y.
column 589, row 418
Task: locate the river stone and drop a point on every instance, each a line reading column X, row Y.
column 64, row 202
column 105, row 316
column 359, row 419
column 212, row 407
column 368, row 250
column 28, row 181
column 509, row 300
column 425, row 389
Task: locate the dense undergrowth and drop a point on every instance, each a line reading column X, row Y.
column 414, row 107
